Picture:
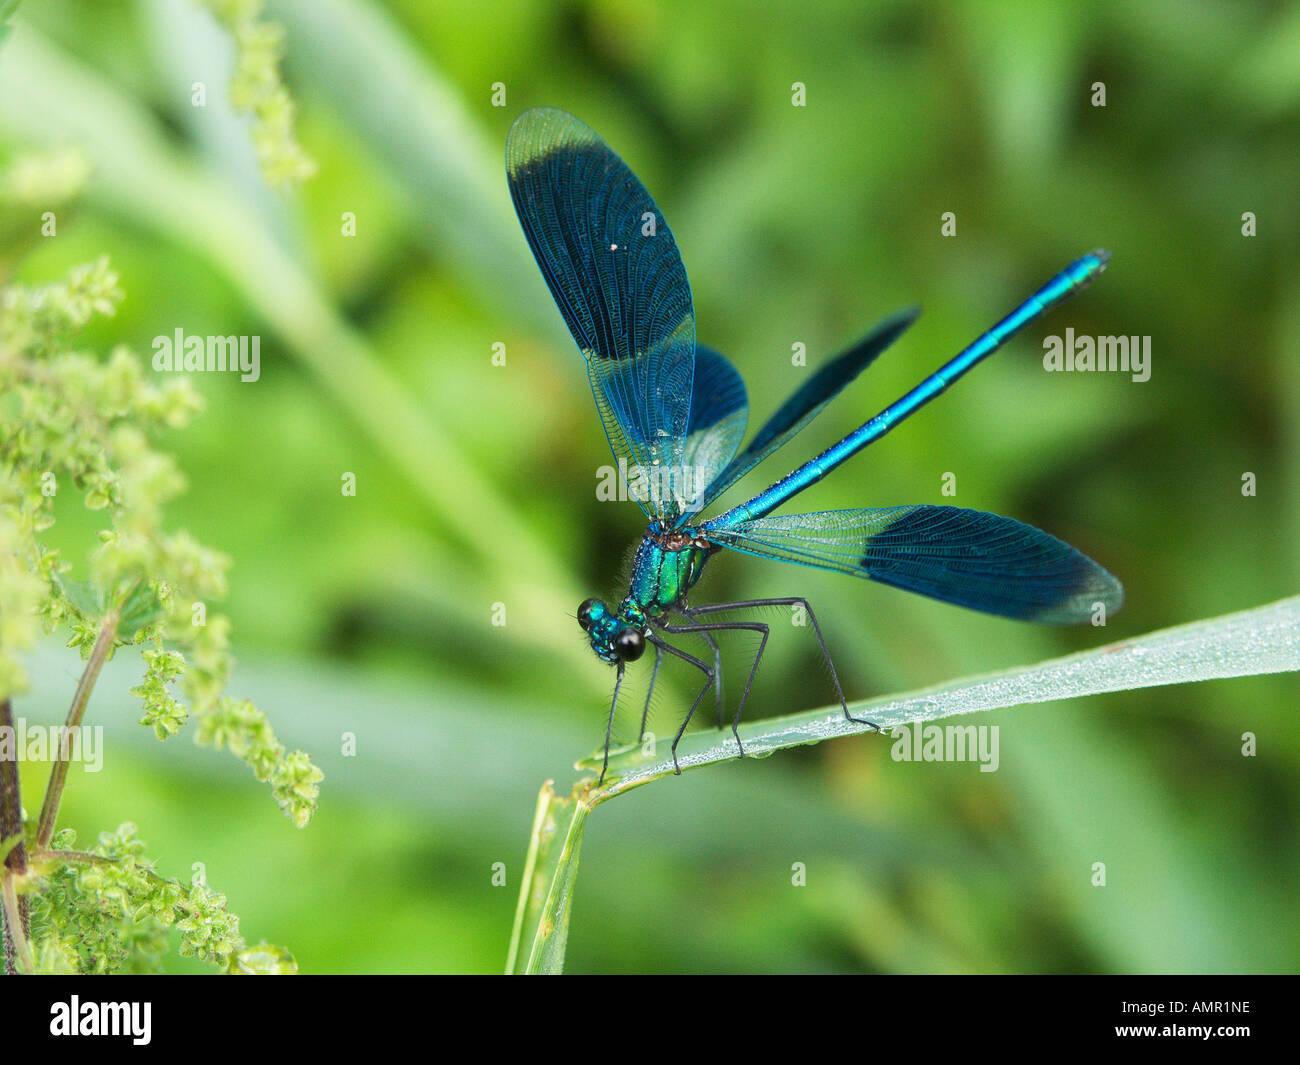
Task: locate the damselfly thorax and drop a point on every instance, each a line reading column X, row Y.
column 666, row 566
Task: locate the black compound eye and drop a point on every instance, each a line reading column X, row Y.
column 629, row 645
column 584, row 613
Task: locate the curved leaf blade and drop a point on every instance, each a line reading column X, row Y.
column 1262, row 640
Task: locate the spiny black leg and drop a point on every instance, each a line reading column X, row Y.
column 659, row 657
column 708, row 674
column 685, row 612
column 713, row 608
column 609, row 728
column 721, row 626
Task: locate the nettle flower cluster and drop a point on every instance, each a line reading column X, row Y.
column 106, row 911
column 256, row 88
column 74, row 423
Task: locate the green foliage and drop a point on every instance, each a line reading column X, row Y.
column 76, row 422
column 242, row 728
column 163, row 712
column 256, row 88
column 107, row 910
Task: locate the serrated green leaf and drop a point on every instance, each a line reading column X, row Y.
column 83, row 595
column 141, row 609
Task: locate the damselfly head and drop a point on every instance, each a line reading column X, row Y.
column 612, row 638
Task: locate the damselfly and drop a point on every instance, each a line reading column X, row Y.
column 675, row 413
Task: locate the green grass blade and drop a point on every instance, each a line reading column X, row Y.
column 524, row 913
column 429, row 138
column 546, row 893
column 1263, row 640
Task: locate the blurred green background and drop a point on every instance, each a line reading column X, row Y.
column 476, row 483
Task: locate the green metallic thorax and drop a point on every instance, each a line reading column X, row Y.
column 666, row 567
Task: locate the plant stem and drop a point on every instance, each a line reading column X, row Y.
column 552, row 936
column 59, row 775
column 71, row 857
column 15, row 933
column 546, row 893
column 17, row 926
column 544, row 799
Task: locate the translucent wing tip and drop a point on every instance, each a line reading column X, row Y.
column 1097, row 588
column 898, row 323
column 1102, row 256
column 537, row 132
column 536, row 114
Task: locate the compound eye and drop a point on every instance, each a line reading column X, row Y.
column 629, row 645
column 585, row 612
